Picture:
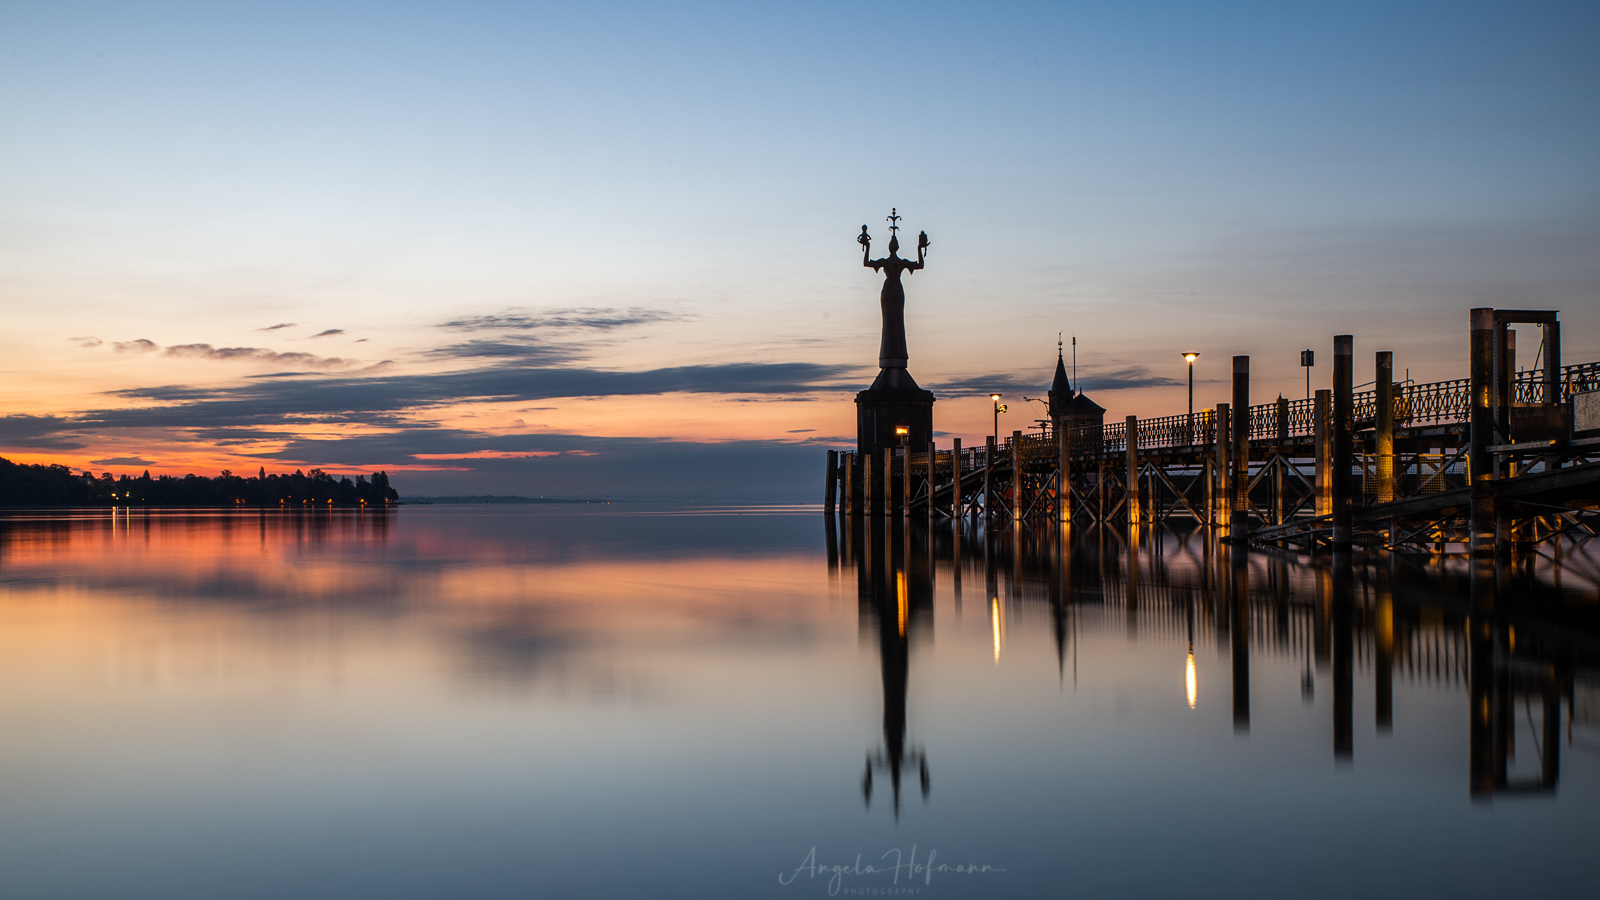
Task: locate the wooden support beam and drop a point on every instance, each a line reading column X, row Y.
column 890, row 503
column 905, row 480
column 1239, row 518
column 1223, row 510
column 1131, row 434
column 1343, row 438
column 1322, row 436
column 1018, row 505
column 851, row 505
column 1384, row 431
column 866, row 483
column 1063, row 473
column 955, row 481
column 988, row 478
column 830, row 482
column 1480, row 464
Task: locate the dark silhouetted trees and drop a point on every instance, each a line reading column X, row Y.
column 55, row 485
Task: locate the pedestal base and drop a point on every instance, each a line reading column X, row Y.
column 894, row 400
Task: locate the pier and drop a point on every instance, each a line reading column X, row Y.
column 1499, row 460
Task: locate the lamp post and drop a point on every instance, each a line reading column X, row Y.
column 998, row 409
column 1189, row 357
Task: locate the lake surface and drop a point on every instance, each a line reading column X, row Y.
column 631, row 701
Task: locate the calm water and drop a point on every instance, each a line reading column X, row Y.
column 636, row 702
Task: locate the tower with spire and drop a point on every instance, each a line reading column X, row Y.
column 1068, row 408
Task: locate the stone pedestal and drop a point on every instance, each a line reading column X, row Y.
column 893, row 400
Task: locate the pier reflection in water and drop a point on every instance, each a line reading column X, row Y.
column 1386, row 615
column 662, row 701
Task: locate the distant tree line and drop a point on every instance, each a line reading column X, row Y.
column 55, row 485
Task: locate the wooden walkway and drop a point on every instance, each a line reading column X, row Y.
column 1397, row 462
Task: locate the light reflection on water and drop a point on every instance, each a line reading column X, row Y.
column 634, row 701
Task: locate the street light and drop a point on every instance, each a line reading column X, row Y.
column 998, row 409
column 1189, row 357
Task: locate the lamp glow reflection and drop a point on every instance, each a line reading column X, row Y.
column 997, row 622
column 1188, row 677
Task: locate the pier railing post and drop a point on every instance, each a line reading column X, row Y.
column 1017, row 507
column 955, row 482
column 1239, row 520
column 1384, row 431
column 1224, row 498
column 1322, row 434
column 1131, row 438
column 1480, row 466
column 1343, row 437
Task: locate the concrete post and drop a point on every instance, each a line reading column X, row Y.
column 1017, row 501
column 955, row 484
column 1131, row 438
column 1224, row 508
column 1343, row 437
column 1385, row 426
column 1239, row 520
column 1322, row 434
column 831, row 482
column 1480, row 465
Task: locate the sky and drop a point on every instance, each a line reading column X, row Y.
column 609, row 250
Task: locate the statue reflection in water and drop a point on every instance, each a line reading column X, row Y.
column 895, row 606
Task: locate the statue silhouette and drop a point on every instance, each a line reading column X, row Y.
column 892, row 352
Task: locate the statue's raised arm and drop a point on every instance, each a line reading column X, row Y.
column 865, row 240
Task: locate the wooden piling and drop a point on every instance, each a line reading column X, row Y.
column 1343, row 438
column 933, row 455
column 1224, row 498
column 988, row 478
column 1278, row 499
column 1239, row 519
column 1322, row 435
column 1480, row 464
column 831, row 482
column 866, row 483
column 890, row 502
column 1384, row 431
column 905, row 481
column 955, row 481
column 1131, row 438
column 1017, row 503
column 1063, row 473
